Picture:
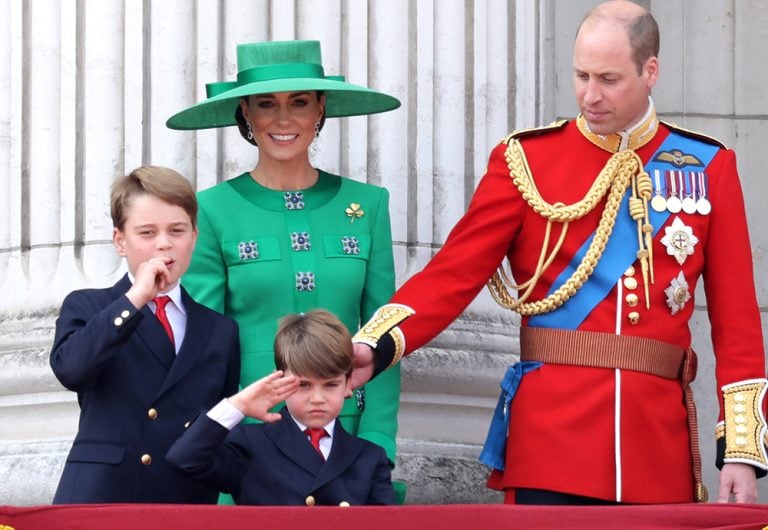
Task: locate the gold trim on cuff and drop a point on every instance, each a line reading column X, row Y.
column 383, row 320
column 745, row 426
column 399, row 339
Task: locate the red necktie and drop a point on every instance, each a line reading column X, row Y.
column 314, row 438
column 161, row 302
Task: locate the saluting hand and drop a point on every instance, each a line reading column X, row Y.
column 256, row 399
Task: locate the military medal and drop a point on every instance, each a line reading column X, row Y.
column 689, row 204
column 677, row 293
column 703, row 206
column 658, row 203
column 674, row 205
column 679, row 240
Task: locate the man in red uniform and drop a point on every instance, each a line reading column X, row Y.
column 608, row 222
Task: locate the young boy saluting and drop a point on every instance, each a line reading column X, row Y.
column 143, row 357
column 304, row 456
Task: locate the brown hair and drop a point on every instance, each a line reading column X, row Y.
column 313, row 344
column 641, row 27
column 162, row 182
column 242, row 126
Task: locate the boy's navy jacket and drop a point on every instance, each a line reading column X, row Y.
column 274, row 464
column 136, row 395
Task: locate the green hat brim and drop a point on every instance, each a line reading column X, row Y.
column 341, row 99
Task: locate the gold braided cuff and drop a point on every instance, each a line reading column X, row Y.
column 385, row 321
column 399, row 339
column 745, row 427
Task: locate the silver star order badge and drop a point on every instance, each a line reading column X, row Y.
column 677, row 293
column 679, row 240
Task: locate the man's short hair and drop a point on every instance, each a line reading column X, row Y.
column 642, row 30
column 161, row 182
column 313, row 344
column 644, row 39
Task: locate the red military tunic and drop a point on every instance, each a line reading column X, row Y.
column 605, row 433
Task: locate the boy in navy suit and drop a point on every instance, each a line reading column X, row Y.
column 140, row 376
column 304, row 456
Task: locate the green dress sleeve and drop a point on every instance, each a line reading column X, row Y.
column 206, row 278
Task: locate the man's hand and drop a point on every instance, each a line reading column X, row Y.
column 737, row 481
column 256, row 399
column 363, row 364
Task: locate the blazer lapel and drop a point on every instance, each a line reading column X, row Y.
column 293, row 443
column 344, row 452
column 151, row 333
column 196, row 339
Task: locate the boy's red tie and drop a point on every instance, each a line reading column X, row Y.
column 161, row 302
column 314, row 438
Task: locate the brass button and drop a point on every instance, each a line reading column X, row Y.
column 146, row 459
column 741, row 441
column 634, row 317
column 125, row 313
column 739, row 408
column 118, row 321
column 630, row 283
column 344, row 504
column 631, row 299
column 152, row 413
column 741, row 429
column 309, row 501
column 739, row 398
column 740, row 419
column 630, row 271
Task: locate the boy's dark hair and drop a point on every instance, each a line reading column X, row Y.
column 162, row 182
column 313, row 344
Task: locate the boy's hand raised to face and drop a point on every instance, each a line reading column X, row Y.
column 152, row 277
column 256, row 399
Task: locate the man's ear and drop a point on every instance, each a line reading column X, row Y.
column 651, row 70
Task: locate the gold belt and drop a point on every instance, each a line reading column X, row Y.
column 601, row 350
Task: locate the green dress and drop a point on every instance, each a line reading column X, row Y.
column 262, row 254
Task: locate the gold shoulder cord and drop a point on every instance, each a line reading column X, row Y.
column 622, row 170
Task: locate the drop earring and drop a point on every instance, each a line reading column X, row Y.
column 313, row 145
column 250, row 131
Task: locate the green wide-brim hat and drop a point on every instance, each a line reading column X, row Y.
column 280, row 66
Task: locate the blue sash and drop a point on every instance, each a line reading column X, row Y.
column 495, row 448
column 618, row 255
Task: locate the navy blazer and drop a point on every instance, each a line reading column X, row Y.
column 136, row 394
column 274, row 464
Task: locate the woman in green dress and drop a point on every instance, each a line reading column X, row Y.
column 287, row 237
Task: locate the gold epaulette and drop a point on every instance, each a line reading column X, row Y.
column 694, row 134
column 745, row 425
column 534, row 131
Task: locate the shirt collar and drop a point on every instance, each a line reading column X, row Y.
column 328, row 428
column 633, row 137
